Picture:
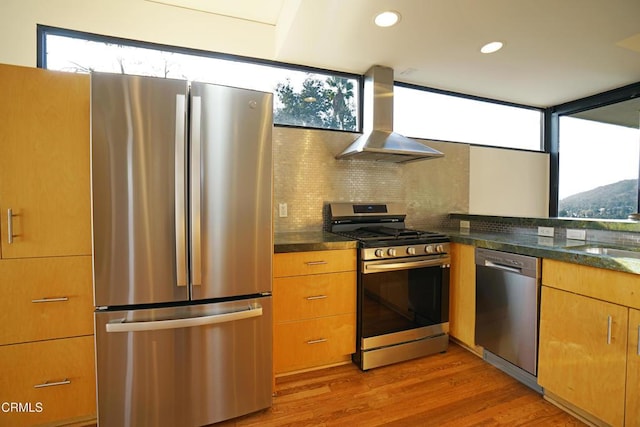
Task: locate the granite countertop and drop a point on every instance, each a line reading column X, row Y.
column 310, row 241
column 545, row 247
column 525, row 244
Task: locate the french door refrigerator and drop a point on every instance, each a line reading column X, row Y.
column 182, row 239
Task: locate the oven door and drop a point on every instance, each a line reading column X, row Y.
column 403, row 300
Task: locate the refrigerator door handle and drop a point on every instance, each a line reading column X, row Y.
column 157, row 325
column 180, row 208
column 196, row 173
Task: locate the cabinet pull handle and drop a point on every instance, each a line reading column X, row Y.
column 10, row 225
column 315, row 297
column 316, row 262
column 54, row 383
column 318, row 341
column 60, row 299
column 608, row 329
column 638, row 340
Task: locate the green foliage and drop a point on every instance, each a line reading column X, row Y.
column 613, row 201
column 322, row 104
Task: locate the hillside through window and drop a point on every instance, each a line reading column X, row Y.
column 598, row 169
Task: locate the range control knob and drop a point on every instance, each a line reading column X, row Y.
column 428, row 249
column 379, row 253
column 411, row 251
column 439, row 249
column 391, row 252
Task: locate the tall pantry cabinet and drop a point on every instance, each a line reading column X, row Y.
column 46, row 303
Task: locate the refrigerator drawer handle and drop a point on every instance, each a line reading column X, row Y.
column 50, row 299
column 159, row 325
column 54, row 383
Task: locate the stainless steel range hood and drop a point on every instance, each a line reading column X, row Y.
column 379, row 141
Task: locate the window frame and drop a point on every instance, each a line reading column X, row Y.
column 552, row 132
column 42, row 31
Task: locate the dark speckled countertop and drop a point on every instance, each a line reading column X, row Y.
column 525, row 244
column 310, row 241
column 545, row 247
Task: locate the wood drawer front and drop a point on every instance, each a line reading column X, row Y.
column 315, row 342
column 318, row 295
column 313, row 262
column 23, row 281
column 608, row 285
column 28, row 365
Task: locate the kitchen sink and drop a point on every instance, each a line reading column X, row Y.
column 611, row 251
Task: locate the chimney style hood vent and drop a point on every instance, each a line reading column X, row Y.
column 379, row 142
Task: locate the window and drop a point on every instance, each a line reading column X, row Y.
column 427, row 114
column 594, row 146
column 302, row 96
column 598, row 169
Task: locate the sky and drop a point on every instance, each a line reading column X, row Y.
column 593, row 154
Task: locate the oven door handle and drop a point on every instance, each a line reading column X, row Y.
column 405, row 265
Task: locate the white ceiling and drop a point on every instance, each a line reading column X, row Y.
column 555, row 51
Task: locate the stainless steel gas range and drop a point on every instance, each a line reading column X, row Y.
column 403, row 284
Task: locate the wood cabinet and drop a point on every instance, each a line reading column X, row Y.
column 55, row 378
column 46, row 297
column 588, row 357
column 44, row 163
column 632, row 412
column 314, row 297
column 462, row 295
column 583, row 351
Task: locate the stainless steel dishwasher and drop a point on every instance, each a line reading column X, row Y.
column 507, row 307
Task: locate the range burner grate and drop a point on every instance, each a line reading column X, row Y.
column 382, row 233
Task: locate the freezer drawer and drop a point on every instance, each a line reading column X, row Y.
column 188, row 366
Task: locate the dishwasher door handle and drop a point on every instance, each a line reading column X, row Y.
column 492, row 264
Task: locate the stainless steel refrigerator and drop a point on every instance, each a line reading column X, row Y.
column 182, row 218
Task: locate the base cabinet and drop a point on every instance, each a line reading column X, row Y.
column 632, row 412
column 583, row 351
column 462, row 294
column 589, row 359
column 314, row 298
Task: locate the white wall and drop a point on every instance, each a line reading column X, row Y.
column 132, row 19
column 508, row 182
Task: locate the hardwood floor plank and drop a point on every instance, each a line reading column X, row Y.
column 455, row 388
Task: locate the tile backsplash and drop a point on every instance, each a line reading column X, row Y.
column 307, row 177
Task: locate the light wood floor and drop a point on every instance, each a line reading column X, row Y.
column 456, row 388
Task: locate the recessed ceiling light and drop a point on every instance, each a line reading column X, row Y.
column 387, row 18
column 491, row 47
